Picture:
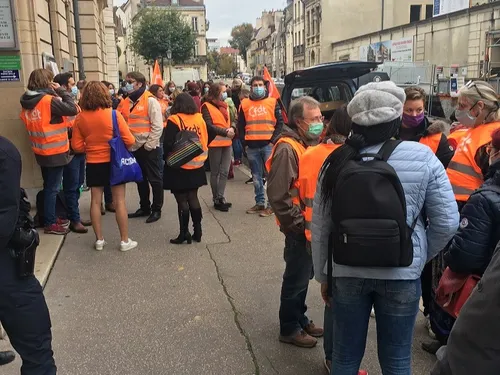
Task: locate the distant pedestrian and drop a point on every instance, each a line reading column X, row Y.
column 92, row 132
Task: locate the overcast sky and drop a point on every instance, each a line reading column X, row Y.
column 224, row 14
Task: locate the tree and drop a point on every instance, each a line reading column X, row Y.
column 241, row 37
column 226, row 65
column 213, row 61
column 156, row 31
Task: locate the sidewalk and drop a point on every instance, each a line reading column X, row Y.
column 162, row 309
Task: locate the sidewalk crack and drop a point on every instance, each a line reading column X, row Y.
column 236, row 314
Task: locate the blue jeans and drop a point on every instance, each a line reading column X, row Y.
column 237, row 149
column 52, row 177
column 298, row 272
column 72, row 181
column 257, row 158
column 328, row 332
column 396, row 304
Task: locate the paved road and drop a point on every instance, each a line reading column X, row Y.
column 209, row 308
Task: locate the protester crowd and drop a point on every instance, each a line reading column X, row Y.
column 381, row 205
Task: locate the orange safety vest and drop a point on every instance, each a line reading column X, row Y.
column 218, row 120
column 432, row 141
column 164, row 107
column 464, row 174
column 309, row 166
column 124, row 108
column 196, row 124
column 70, row 120
column 456, row 137
column 260, row 118
column 138, row 120
column 46, row 139
column 299, row 150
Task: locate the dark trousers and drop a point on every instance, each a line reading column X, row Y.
column 52, row 178
column 298, row 272
column 426, row 281
column 149, row 162
column 73, row 177
column 108, row 195
column 25, row 317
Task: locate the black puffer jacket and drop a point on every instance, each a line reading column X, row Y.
column 472, row 246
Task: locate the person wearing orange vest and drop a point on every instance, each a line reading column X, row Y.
column 259, row 125
column 310, row 165
column 185, row 181
column 457, row 133
column 74, row 171
column 215, row 113
column 417, row 127
column 478, row 109
column 305, row 128
column 146, row 124
column 44, row 105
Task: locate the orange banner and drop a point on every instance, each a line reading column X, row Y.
column 274, row 93
column 156, row 77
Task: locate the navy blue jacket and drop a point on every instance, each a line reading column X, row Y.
column 473, row 245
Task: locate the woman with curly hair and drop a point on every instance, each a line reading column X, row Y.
column 91, row 134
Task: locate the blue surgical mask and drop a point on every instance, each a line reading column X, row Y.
column 465, row 118
column 224, row 95
column 129, row 87
column 205, row 90
column 259, row 91
column 74, row 91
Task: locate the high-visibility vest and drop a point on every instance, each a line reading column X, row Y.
column 464, row 173
column 432, row 141
column 124, row 108
column 260, row 118
column 138, row 120
column 218, row 120
column 456, row 137
column 70, row 120
column 196, row 124
column 309, row 167
column 164, row 107
column 46, row 139
column 299, row 151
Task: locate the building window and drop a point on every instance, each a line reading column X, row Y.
column 194, row 23
column 196, row 52
column 308, row 23
column 415, row 13
column 429, row 11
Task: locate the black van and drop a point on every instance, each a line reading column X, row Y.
column 331, row 84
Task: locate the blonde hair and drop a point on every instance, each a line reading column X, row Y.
column 176, row 93
column 482, row 91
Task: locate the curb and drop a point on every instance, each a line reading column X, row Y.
column 46, row 255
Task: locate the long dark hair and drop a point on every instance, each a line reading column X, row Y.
column 184, row 103
column 361, row 137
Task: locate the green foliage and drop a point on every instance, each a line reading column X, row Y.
column 213, row 60
column 221, row 64
column 156, row 31
column 241, row 37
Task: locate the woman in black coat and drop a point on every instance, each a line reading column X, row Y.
column 184, row 183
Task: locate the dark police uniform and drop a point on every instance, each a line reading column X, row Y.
column 23, row 311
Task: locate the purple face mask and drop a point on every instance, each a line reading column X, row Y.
column 413, row 121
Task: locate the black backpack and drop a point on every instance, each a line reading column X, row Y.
column 369, row 215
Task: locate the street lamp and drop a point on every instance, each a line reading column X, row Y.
column 169, row 57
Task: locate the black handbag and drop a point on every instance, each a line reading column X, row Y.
column 186, row 147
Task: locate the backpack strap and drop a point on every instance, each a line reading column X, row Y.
column 387, row 148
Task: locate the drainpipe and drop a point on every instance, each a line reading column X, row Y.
column 382, row 20
column 78, row 37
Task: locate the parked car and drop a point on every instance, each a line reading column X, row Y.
column 331, row 84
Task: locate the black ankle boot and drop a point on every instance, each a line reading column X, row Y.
column 184, row 234
column 196, row 215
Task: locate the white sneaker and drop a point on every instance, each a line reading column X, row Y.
column 126, row 246
column 99, row 244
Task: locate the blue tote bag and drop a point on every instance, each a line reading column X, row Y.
column 124, row 167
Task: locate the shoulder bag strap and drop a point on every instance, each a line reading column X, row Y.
column 387, row 148
column 183, row 126
column 116, row 130
column 494, row 188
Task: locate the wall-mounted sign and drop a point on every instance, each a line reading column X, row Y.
column 391, row 50
column 9, row 75
column 7, row 31
column 448, row 6
column 10, row 62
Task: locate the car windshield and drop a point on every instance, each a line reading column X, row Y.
column 330, row 96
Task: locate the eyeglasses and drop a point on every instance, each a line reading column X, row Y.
column 131, row 81
column 315, row 119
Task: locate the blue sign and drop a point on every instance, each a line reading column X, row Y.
column 9, row 75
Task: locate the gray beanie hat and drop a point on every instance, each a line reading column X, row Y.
column 377, row 103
